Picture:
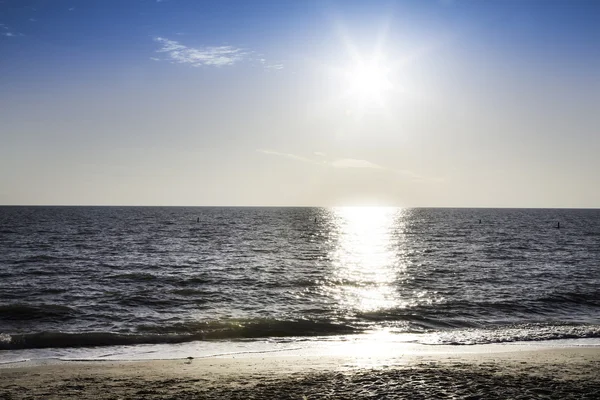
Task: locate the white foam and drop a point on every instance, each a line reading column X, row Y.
column 378, row 345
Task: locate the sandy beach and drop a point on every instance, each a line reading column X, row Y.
column 552, row 373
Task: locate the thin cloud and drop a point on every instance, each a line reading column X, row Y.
column 9, row 33
column 270, row 66
column 197, row 57
column 273, row 66
column 354, row 163
column 209, row 56
column 289, row 155
column 341, row 163
column 364, row 164
column 338, row 163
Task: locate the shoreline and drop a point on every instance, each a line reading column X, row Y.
column 558, row 372
column 377, row 344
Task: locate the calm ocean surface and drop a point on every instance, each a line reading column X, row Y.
column 103, row 276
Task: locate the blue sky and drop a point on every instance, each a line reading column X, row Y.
column 409, row 103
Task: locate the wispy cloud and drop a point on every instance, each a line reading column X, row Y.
column 273, row 66
column 291, row 156
column 341, row 163
column 9, row 32
column 211, row 56
column 354, row 163
column 269, row 66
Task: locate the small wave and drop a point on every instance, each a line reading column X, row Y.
column 108, row 265
column 90, row 339
column 265, row 251
column 188, row 292
column 40, row 272
column 292, row 284
column 36, row 258
column 26, row 312
column 178, row 333
column 145, row 299
column 255, row 328
column 415, row 322
column 133, row 276
column 508, row 334
column 196, row 281
column 573, row 298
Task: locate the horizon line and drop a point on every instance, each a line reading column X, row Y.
column 305, row 206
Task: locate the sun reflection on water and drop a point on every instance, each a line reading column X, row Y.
column 365, row 260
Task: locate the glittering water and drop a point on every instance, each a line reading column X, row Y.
column 82, row 276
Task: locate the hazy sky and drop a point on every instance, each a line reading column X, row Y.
column 408, row 103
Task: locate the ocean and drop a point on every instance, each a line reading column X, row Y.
column 90, row 278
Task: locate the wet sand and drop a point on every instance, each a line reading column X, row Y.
column 554, row 373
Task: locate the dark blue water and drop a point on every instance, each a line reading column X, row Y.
column 93, row 276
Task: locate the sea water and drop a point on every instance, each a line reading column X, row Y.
column 156, row 282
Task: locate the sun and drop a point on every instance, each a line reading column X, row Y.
column 367, row 84
column 368, row 80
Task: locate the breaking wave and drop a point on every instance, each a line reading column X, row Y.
column 177, row 333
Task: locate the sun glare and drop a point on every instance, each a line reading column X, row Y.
column 365, row 80
column 368, row 82
column 364, row 258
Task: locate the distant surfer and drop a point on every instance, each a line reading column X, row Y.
column 198, row 219
column 479, row 221
column 558, row 225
